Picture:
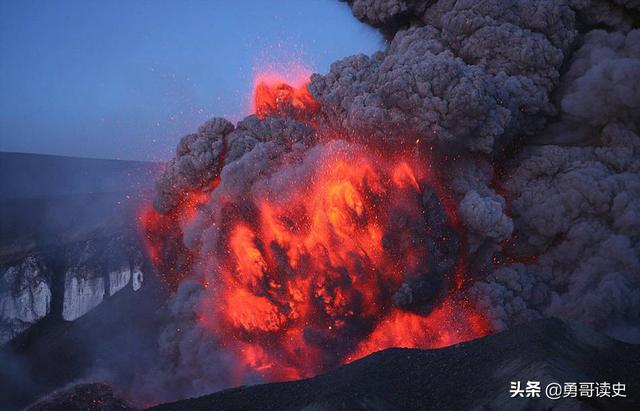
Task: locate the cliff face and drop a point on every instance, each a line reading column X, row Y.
column 25, row 296
column 112, row 341
column 68, row 238
column 98, row 269
column 67, row 282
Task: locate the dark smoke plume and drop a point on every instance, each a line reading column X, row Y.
column 531, row 111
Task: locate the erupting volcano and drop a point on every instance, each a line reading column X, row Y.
column 317, row 255
column 333, row 257
column 455, row 175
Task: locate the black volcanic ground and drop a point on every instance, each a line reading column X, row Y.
column 473, row 375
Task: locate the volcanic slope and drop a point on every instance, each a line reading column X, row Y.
column 471, row 375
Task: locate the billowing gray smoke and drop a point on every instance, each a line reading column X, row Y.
column 533, row 110
column 200, row 157
column 489, row 76
column 476, row 74
column 577, row 200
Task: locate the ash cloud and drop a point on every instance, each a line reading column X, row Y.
column 601, row 85
column 615, row 15
column 567, row 93
column 532, row 111
column 471, row 74
column 200, row 157
column 576, row 205
column 190, row 362
column 197, row 162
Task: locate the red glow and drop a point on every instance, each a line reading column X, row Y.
column 303, row 281
column 276, row 94
column 450, row 323
column 162, row 235
column 307, row 283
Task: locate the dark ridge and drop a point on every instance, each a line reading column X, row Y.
column 101, row 394
column 48, row 201
column 472, row 375
column 40, row 175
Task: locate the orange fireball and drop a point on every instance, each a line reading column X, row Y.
column 273, row 95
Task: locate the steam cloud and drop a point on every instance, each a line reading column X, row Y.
column 532, row 110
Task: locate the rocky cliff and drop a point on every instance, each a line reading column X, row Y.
column 68, row 237
column 25, row 296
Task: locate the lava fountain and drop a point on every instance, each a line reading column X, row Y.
column 316, row 257
column 275, row 95
column 331, row 258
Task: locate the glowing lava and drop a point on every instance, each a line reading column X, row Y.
column 274, row 95
column 309, row 276
column 322, row 259
column 162, row 235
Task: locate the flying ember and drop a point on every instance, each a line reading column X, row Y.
column 319, row 256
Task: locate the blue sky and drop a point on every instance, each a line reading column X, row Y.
column 126, row 79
